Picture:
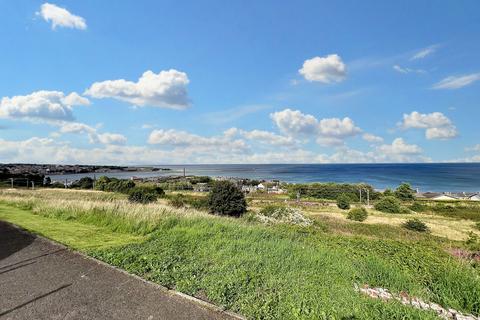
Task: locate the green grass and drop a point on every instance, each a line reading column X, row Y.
column 74, row 234
column 272, row 272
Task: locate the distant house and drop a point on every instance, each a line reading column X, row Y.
column 475, row 197
column 275, row 189
column 246, row 188
column 445, row 197
column 201, row 187
column 261, row 187
column 437, row 196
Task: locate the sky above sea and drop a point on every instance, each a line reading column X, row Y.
column 142, row 82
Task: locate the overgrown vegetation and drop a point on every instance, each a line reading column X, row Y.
column 358, row 214
column 278, row 271
column 405, row 192
column 330, row 191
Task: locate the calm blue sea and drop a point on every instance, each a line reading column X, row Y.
column 425, row 177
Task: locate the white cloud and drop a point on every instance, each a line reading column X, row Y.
column 41, row 105
column 183, row 139
column 457, row 82
column 266, row 137
column 61, row 17
column 294, row 122
column 94, row 136
column 474, row 148
column 111, row 138
column 424, row 52
column 372, row 138
column 399, row 151
column 328, row 132
column 327, row 69
column 407, row 70
column 437, row 125
column 167, row 89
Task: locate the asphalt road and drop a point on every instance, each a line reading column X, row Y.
column 42, row 280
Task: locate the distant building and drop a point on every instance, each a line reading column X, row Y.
column 261, row 187
column 475, row 197
column 246, row 188
column 201, row 187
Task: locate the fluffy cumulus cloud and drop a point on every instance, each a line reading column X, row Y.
column 262, row 137
column 400, row 147
column 166, row 89
column 328, row 132
column 457, row 82
column 61, row 17
column 437, row 125
column 92, row 133
column 328, row 69
column 181, row 139
column 372, row 138
column 42, row 105
column 294, row 122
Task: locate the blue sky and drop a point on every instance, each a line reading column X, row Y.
column 165, row 82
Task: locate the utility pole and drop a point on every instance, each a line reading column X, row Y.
column 27, row 183
column 11, row 181
column 368, row 197
column 66, row 182
column 33, row 185
column 360, row 195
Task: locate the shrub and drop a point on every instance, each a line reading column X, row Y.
column 415, row 225
column 473, row 243
column 388, row 204
column 358, row 214
column 142, row 195
column 225, row 198
column 388, row 192
column 114, row 185
column 404, row 192
column 343, row 202
column 83, row 183
column 477, row 225
column 180, row 200
column 418, row 206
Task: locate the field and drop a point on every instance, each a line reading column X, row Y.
column 268, row 270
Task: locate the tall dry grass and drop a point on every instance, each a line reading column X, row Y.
column 100, row 208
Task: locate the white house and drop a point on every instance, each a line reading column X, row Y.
column 261, row 187
column 475, row 197
column 444, row 197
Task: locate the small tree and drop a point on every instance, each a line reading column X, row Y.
column 225, row 198
column 343, row 202
column 404, row 192
column 388, row 192
column 388, row 204
column 357, row 214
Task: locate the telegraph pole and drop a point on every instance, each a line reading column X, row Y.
column 368, row 197
column 360, row 195
column 11, row 181
column 33, row 185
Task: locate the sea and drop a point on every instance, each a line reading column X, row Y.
column 435, row 177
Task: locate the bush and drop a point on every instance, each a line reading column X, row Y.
column 477, row 225
column 83, row 183
column 142, row 195
column 415, row 225
column 418, row 207
column 114, row 185
column 276, row 213
column 226, row 198
column 343, row 202
column 388, row 204
column 330, row 190
column 388, row 192
column 404, row 192
column 180, row 200
column 358, row 214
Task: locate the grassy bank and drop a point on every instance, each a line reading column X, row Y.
column 261, row 271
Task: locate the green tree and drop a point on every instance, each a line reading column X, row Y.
column 343, row 201
column 405, row 192
column 225, row 198
column 389, row 204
